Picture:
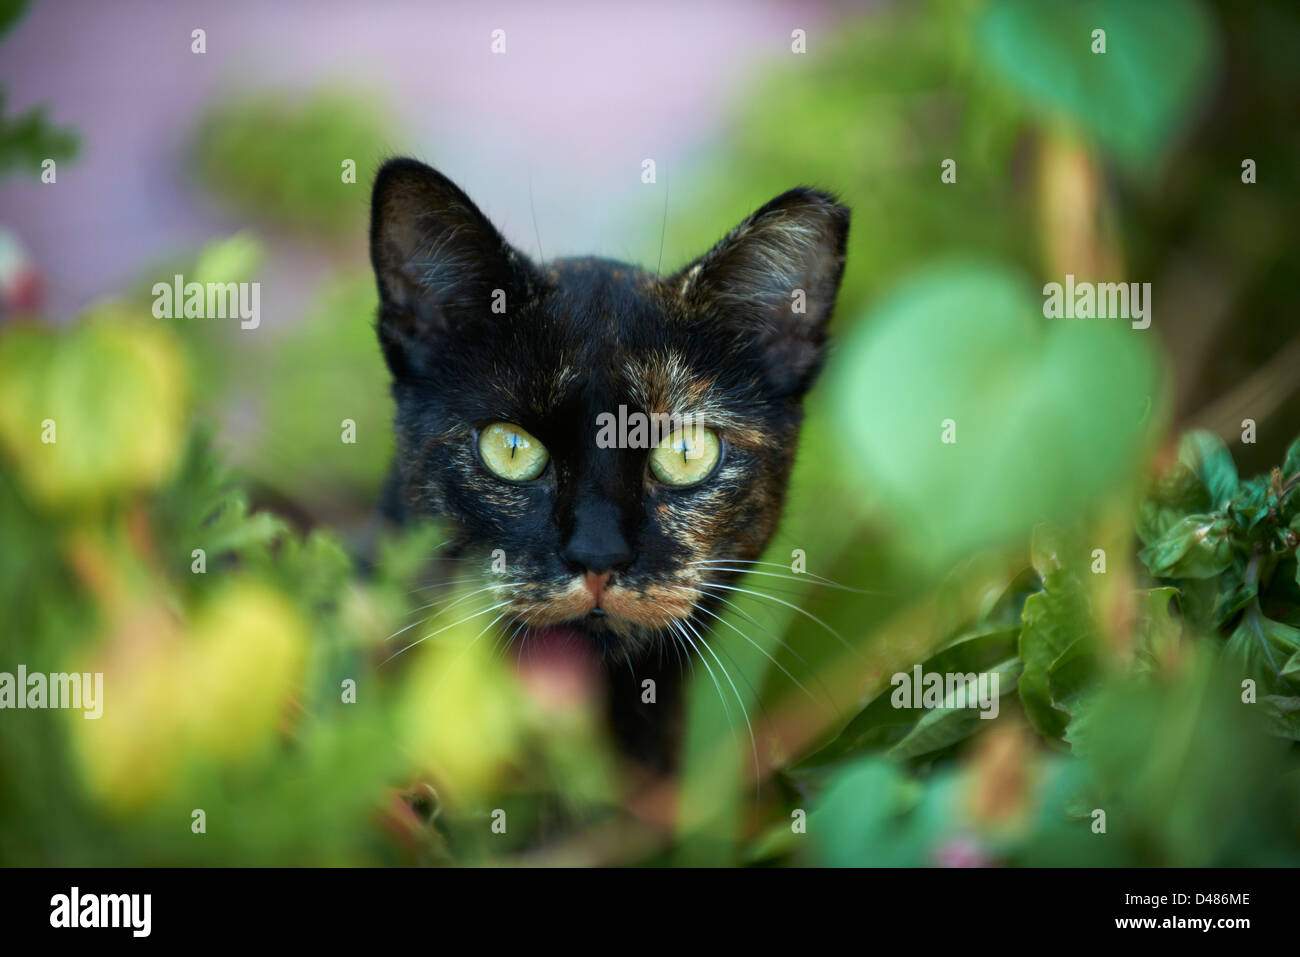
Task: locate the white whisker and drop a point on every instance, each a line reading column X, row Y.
column 791, row 606
column 726, row 710
column 804, row 579
column 453, row 603
column 445, row 628
column 753, row 743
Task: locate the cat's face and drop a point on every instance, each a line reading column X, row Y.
column 520, row 388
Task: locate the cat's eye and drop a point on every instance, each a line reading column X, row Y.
column 686, row 457
column 511, row 453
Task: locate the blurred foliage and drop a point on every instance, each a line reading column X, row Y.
column 281, row 160
column 11, row 11
column 27, row 140
column 226, row 673
column 43, row 379
column 282, row 403
column 1037, row 48
column 1066, row 161
column 30, row 138
column 282, row 392
column 1032, row 433
column 1182, row 775
column 1126, row 163
column 1125, row 687
column 1167, row 732
column 1230, row 545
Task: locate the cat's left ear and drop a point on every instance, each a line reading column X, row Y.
column 775, row 277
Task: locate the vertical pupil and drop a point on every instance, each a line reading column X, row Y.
column 514, row 443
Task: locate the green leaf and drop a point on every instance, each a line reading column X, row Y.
column 317, row 568
column 1262, row 648
column 233, row 529
column 1292, row 667
column 1198, row 546
column 1233, row 596
column 1182, row 768
column 1071, row 675
column 1281, row 595
column 1159, row 629
column 203, row 507
column 115, row 395
column 30, row 138
column 1283, row 714
column 1291, row 463
column 1134, row 97
column 11, row 11
column 1206, row 455
column 1177, row 493
column 967, row 345
column 1254, row 501
column 280, row 158
column 961, row 715
column 404, row 554
column 872, row 815
column 880, row 724
column 1005, row 612
column 1055, row 620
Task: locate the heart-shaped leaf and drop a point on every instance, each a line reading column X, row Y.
column 1133, row 97
column 972, row 416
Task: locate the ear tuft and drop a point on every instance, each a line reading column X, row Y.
column 775, row 277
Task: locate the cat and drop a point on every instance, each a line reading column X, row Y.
column 501, row 369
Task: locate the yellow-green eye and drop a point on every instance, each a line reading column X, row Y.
column 511, row 453
column 686, row 457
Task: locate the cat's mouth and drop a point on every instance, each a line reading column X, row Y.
column 597, row 631
column 611, row 609
column 608, row 626
column 576, row 632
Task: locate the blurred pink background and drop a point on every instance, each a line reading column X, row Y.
column 584, row 93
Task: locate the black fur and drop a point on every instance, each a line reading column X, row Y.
column 578, row 338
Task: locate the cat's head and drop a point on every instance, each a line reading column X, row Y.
column 513, row 379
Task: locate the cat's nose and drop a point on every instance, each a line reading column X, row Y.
column 601, row 559
column 596, row 543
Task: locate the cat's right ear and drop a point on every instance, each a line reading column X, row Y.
column 438, row 261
